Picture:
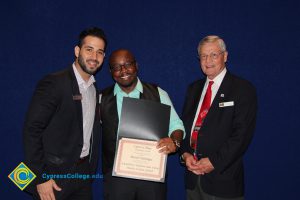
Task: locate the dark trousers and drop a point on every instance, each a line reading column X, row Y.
column 74, row 188
column 198, row 194
column 116, row 188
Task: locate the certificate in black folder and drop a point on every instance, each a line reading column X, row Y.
column 142, row 124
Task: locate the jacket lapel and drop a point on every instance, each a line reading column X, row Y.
column 76, row 98
column 223, row 91
column 196, row 97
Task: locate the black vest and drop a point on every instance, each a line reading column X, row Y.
column 110, row 121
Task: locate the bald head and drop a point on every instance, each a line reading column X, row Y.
column 120, row 53
column 123, row 69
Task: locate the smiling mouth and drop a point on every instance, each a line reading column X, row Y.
column 125, row 77
column 93, row 63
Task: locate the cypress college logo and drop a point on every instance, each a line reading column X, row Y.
column 21, row 176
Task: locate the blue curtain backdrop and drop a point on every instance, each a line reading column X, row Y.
column 38, row 37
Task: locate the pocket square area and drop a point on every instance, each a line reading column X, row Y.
column 225, row 104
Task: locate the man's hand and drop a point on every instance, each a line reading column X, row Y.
column 45, row 190
column 204, row 166
column 192, row 164
column 200, row 167
column 166, row 145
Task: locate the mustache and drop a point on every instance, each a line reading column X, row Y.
column 96, row 61
column 126, row 74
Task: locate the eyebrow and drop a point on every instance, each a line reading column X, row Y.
column 90, row 47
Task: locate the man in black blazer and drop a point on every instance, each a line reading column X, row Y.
column 62, row 127
column 214, row 162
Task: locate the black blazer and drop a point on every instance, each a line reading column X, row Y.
column 225, row 134
column 53, row 130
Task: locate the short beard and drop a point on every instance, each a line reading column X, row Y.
column 84, row 68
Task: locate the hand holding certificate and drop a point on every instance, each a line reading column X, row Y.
column 140, row 159
column 142, row 124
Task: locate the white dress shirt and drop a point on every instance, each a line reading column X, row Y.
column 88, row 102
column 214, row 89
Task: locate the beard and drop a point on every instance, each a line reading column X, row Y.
column 84, row 68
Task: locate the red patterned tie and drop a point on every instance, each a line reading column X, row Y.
column 202, row 114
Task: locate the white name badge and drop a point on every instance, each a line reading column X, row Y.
column 225, row 104
column 100, row 96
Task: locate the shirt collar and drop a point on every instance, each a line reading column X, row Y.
column 80, row 80
column 218, row 79
column 138, row 87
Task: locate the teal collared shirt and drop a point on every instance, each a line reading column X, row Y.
column 175, row 121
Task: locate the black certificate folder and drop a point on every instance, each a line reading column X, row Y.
column 144, row 119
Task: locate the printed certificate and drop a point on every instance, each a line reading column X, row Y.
column 139, row 159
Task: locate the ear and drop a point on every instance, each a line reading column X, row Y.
column 225, row 56
column 137, row 66
column 76, row 51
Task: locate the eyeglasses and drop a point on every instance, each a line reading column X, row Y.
column 213, row 56
column 118, row 67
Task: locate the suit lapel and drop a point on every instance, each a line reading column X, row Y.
column 223, row 91
column 76, row 98
column 197, row 95
column 113, row 106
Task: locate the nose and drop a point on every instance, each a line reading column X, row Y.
column 94, row 55
column 209, row 58
column 123, row 68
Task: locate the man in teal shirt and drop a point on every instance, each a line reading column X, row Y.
column 124, row 68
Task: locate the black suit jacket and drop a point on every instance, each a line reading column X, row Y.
column 225, row 134
column 53, row 130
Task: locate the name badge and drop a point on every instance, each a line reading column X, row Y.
column 77, row 97
column 225, row 104
column 100, row 96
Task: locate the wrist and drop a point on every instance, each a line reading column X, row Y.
column 182, row 158
column 177, row 144
column 176, row 137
